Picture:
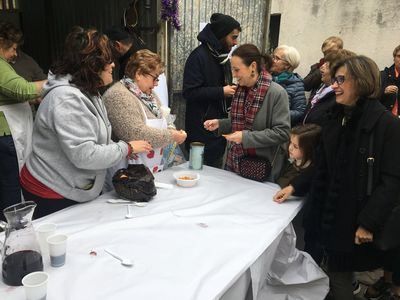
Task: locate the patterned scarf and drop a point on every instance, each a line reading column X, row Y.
column 245, row 105
column 148, row 100
column 224, row 60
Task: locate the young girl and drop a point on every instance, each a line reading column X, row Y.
column 296, row 175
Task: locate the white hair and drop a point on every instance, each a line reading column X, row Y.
column 291, row 55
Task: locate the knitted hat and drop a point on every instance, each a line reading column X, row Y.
column 116, row 33
column 221, row 25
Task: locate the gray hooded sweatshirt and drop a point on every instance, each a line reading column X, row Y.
column 72, row 145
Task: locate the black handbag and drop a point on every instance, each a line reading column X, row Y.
column 389, row 236
column 254, row 168
column 135, row 183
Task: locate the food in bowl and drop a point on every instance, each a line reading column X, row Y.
column 186, row 178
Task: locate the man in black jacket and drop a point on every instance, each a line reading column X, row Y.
column 207, row 84
column 391, row 84
column 124, row 46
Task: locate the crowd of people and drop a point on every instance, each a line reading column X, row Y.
column 337, row 149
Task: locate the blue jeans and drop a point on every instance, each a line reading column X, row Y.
column 10, row 189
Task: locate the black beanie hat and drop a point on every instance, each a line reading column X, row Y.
column 221, row 25
column 116, row 33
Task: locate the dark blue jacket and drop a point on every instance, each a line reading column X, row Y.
column 294, row 86
column 203, row 82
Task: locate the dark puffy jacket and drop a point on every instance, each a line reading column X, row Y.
column 203, row 82
column 388, row 77
column 294, row 86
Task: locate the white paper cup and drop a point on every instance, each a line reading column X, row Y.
column 57, row 249
column 44, row 231
column 35, row 285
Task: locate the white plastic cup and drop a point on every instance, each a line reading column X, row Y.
column 44, row 231
column 35, row 285
column 57, row 249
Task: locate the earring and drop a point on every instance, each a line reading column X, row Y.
column 252, row 73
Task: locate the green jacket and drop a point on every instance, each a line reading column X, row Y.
column 13, row 89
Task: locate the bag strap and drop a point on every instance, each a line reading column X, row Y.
column 370, row 163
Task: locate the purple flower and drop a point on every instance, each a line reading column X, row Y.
column 170, row 12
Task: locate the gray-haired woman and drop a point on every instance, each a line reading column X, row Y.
column 285, row 60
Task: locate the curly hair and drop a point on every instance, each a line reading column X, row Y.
column 9, row 35
column 144, row 62
column 86, row 54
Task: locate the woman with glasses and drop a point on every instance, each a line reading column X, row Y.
column 284, row 61
column 324, row 98
column 135, row 111
column 72, row 147
column 357, row 179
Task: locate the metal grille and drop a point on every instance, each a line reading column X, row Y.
column 249, row 13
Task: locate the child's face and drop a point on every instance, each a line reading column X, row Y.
column 294, row 149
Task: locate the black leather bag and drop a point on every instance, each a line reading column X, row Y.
column 135, row 183
column 254, row 168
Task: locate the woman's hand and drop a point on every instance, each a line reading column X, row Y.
column 140, row 146
column 391, row 89
column 179, row 136
column 363, row 236
column 211, row 125
column 284, row 194
column 235, row 137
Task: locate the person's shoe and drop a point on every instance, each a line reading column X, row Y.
column 356, row 287
column 378, row 289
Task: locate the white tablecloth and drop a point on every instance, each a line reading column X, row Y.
column 203, row 242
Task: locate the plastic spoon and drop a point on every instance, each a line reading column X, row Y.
column 116, row 201
column 124, row 261
column 129, row 214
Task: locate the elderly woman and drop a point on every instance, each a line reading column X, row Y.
column 259, row 121
column 345, row 209
column 15, row 116
column 285, row 60
column 72, row 147
column 324, row 99
column 135, row 111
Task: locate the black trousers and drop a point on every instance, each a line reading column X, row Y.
column 46, row 206
column 10, row 189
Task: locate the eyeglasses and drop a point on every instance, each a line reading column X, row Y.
column 339, row 79
column 277, row 58
column 155, row 78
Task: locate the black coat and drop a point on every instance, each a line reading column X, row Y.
column 203, row 82
column 388, row 78
column 338, row 203
column 318, row 114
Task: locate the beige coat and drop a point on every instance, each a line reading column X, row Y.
column 125, row 112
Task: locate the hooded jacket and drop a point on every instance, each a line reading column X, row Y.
column 203, row 82
column 72, row 145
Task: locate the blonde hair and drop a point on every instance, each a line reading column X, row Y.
column 331, row 41
column 144, row 62
column 291, row 56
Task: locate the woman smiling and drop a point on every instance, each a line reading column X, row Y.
column 357, row 179
column 259, row 121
